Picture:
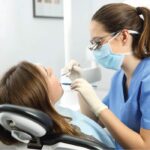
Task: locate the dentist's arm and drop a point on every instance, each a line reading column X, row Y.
column 85, row 109
column 74, row 71
column 126, row 137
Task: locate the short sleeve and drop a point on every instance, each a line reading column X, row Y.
column 106, row 100
column 145, row 103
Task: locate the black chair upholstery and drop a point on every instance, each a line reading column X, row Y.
column 36, row 128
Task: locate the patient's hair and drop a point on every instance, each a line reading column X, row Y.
column 24, row 85
column 118, row 16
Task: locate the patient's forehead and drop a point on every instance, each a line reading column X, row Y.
column 45, row 71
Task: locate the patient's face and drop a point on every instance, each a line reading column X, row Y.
column 54, row 86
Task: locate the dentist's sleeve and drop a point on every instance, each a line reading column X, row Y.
column 106, row 100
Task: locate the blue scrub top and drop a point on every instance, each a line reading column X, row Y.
column 132, row 107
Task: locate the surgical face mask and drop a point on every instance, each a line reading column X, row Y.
column 107, row 58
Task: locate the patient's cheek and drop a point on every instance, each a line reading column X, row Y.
column 55, row 93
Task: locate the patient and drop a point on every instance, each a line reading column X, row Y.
column 35, row 86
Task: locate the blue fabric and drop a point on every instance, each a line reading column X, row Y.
column 106, row 58
column 135, row 110
column 87, row 125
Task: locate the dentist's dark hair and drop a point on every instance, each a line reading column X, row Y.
column 118, row 16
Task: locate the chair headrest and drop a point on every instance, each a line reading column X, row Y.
column 24, row 123
column 35, row 128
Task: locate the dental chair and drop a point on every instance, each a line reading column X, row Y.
column 35, row 128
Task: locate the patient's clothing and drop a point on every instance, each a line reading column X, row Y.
column 85, row 136
column 87, row 125
column 132, row 106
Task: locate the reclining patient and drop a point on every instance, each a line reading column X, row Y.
column 35, row 86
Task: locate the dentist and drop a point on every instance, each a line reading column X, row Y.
column 120, row 40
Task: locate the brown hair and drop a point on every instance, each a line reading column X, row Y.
column 117, row 16
column 24, row 85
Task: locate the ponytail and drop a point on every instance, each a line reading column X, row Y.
column 143, row 48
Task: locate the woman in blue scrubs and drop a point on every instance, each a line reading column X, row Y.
column 120, row 40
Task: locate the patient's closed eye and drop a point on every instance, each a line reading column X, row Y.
column 48, row 71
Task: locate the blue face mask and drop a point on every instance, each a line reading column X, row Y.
column 107, row 58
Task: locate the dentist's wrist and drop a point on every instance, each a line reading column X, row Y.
column 98, row 111
column 97, row 106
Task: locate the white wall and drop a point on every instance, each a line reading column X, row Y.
column 96, row 4
column 136, row 3
column 77, row 17
column 23, row 37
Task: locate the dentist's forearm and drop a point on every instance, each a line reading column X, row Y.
column 126, row 137
column 85, row 108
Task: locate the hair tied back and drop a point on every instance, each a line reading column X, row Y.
column 139, row 13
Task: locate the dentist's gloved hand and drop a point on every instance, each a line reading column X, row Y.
column 73, row 70
column 89, row 95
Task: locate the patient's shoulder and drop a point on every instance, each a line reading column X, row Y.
column 65, row 111
column 84, row 135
